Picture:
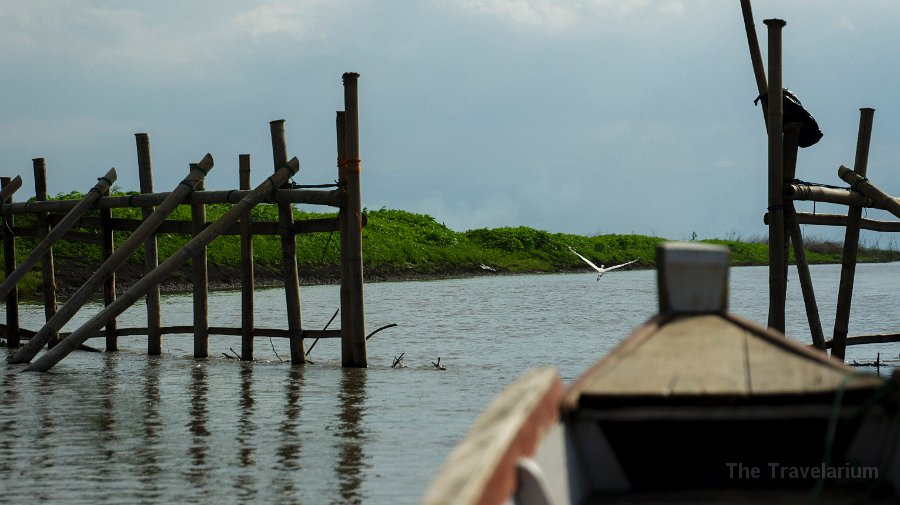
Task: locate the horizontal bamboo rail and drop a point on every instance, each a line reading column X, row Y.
column 869, row 339
column 333, row 198
column 189, row 330
column 841, row 220
column 153, row 278
column 826, row 195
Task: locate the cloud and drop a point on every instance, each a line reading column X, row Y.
column 529, row 13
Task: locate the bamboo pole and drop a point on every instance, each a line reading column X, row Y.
column 851, row 240
column 777, row 284
column 151, row 254
column 353, row 351
column 331, row 198
column 346, row 224
column 200, row 279
column 107, row 248
column 755, row 55
column 9, row 189
column 48, row 273
column 9, row 263
column 288, row 252
column 147, row 282
column 841, row 220
column 868, row 339
column 117, row 259
column 828, row 195
column 795, row 237
column 863, row 185
column 57, row 232
column 247, row 267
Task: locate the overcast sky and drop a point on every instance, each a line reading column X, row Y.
column 587, row 117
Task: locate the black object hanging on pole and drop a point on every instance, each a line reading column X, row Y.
column 794, row 112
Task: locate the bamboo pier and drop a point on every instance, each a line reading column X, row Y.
column 784, row 221
column 70, row 220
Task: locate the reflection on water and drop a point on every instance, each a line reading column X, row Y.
column 197, row 420
column 125, row 427
column 351, row 434
column 244, row 483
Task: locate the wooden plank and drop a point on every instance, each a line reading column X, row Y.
column 482, row 468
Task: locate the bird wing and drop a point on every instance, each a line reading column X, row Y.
column 607, row 269
column 595, row 267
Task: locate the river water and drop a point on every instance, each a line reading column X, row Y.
column 128, row 428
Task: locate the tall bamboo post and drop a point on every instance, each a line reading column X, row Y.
column 851, row 240
column 247, row 268
column 107, row 247
column 145, row 283
column 345, row 225
column 353, row 343
column 119, row 257
column 57, row 232
column 151, row 254
column 48, row 273
column 288, row 251
column 9, row 265
column 200, row 279
column 777, row 284
column 794, row 236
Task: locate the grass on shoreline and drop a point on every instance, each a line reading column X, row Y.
column 400, row 244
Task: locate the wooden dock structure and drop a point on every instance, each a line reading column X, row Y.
column 68, row 219
column 784, row 188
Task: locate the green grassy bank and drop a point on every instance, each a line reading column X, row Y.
column 399, row 245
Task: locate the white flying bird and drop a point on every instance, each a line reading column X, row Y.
column 601, row 269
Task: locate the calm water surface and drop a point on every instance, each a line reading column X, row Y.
column 128, row 428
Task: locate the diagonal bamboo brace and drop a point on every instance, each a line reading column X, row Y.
column 861, row 184
column 57, row 232
column 154, row 277
column 116, row 260
column 9, row 189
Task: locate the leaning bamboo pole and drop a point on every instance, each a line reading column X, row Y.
column 7, row 188
column 142, row 286
column 117, row 259
column 795, row 237
column 57, row 232
column 48, row 271
column 777, row 284
column 861, row 183
column 755, row 55
column 851, row 240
